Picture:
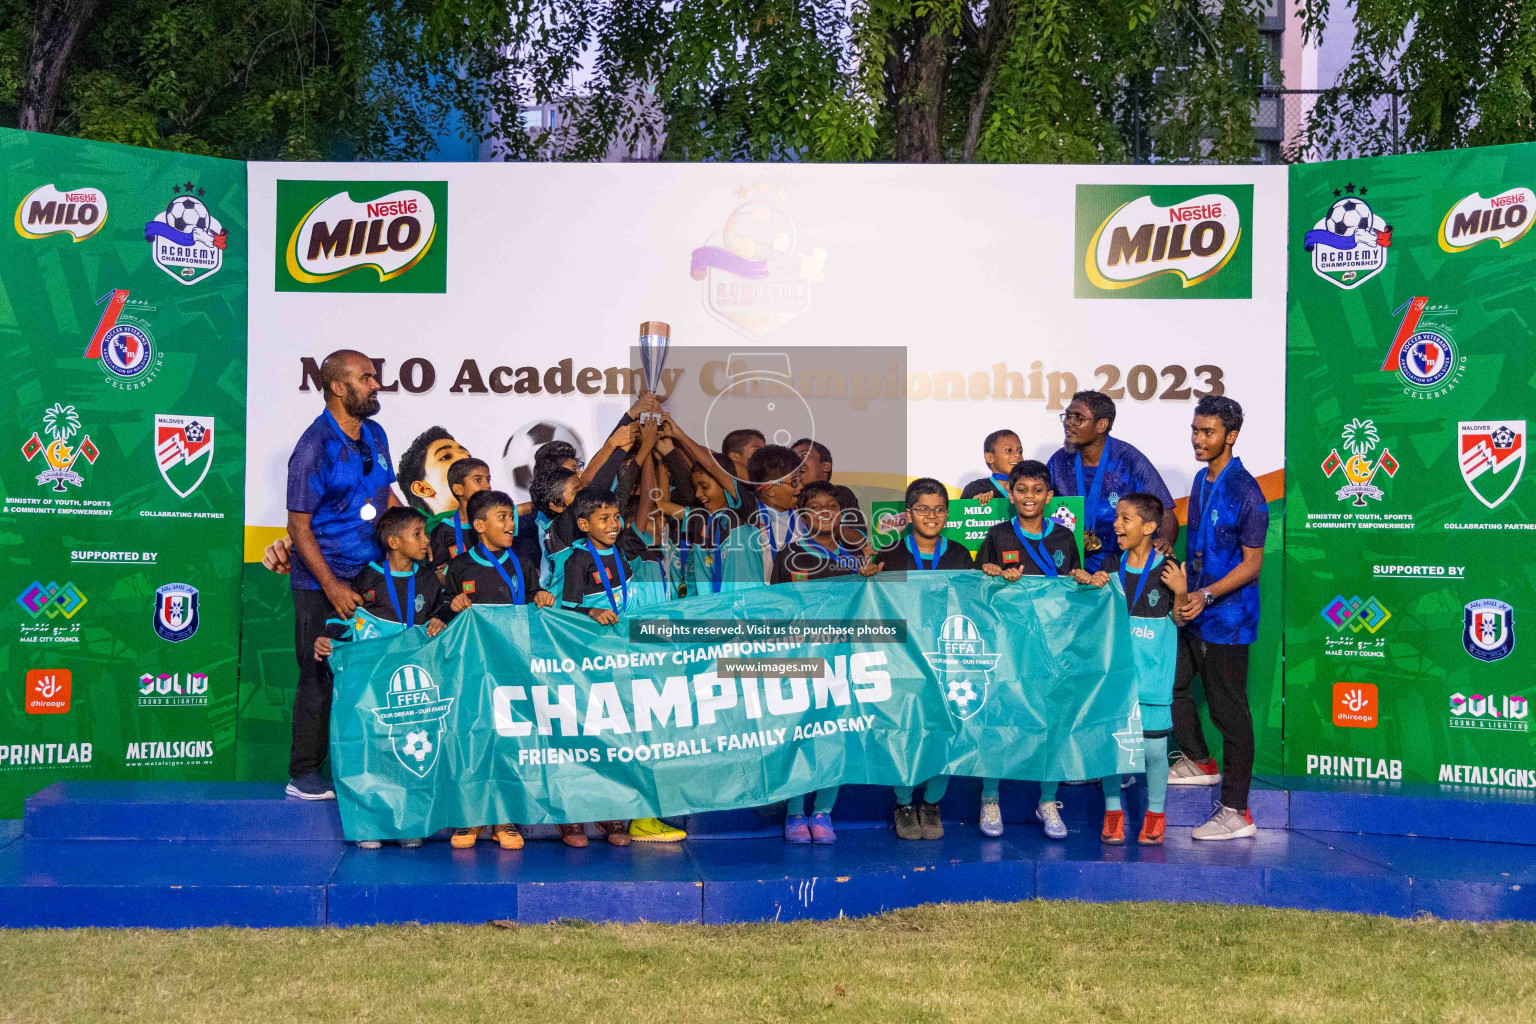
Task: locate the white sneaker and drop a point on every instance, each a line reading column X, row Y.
column 1226, row 824
column 991, row 820
column 1050, row 816
column 1187, row 772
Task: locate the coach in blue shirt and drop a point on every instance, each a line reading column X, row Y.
column 1102, row 469
column 1228, row 518
column 338, row 484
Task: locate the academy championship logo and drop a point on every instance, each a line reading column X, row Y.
column 755, row 273
column 1164, row 242
column 122, row 343
column 1504, row 219
column 1423, row 353
column 176, row 617
column 963, row 666
column 185, row 239
column 1492, row 458
column 183, row 450
column 60, row 423
column 1488, row 631
column 79, row 213
column 1349, row 245
column 362, row 236
column 413, row 712
column 1360, row 471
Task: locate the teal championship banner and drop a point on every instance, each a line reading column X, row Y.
column 1410, row 515
column 123, row 285
column 530, row 716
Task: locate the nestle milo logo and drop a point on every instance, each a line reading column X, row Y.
column 1163, row 242
column 47, row 210
column 362, row 236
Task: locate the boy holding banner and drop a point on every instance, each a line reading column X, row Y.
column 924, row 548
column 1028, row 544
column 404, row 591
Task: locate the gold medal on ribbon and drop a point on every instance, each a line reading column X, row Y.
column 1091, row 542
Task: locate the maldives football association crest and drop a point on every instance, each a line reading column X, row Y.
column 1349, row 246
column 1492, row 458
column 963, row 665
column 1360, row 470
column 413, row 711
column 176, row 616
column 185, row 239
column 1489, row 633
column 183, row 450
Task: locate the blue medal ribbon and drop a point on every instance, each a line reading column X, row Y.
column 1039, row 557
column 394, row 599
column 602, row 575
column 1000, row 484
column 1095, row 490
column 519, row 595
column 1146, row 574
column 1205, row 529
column 917, row 556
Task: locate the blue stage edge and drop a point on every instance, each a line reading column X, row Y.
column 177, row 855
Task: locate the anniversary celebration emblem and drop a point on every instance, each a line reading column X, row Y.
column 414, row 713
column 1492, row 458
column 47, row 210
column 1349, row 246
column 122, row 342
column 362, row 236
column 754, row 274
column 1423, row 353
column 60, row 423
column 963, row 666
column 185, row 239
column 1505, row 218
column 182, row 441
column 1360, row 439
column 1489, row 629
column 176, row 617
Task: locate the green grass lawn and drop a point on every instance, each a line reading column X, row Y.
column 1031, row 961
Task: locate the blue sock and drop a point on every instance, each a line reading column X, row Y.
column 1048, row 792
column 1111, row 785
column 1157, row 773
column 989, row 790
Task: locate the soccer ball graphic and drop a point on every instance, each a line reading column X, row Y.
column 1503, row 437
column 195, row 432
column 1347, row 215
column 517, row 454
column 961, row 692
column 417, row 745
column 188, row 214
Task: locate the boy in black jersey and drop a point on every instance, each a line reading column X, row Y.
column 452, row 534
column 775, row 473
column 923, row 547
column 403, row 589
column 1155, row 587
column 491, row 573
column 1028, row 544
column 1002, row 450
column 816, row 552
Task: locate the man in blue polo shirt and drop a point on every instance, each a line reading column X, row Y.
column 1228, row 518
column 1103, row 469
column 338, row 484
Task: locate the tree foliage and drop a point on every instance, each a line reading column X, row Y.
column 851, row 80
column 1464, row 72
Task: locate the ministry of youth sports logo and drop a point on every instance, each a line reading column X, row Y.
column 413, row 712
column 1349, row 246
column 963, row 666
column 1360, row 439
column 60, row 423
column 185, row 239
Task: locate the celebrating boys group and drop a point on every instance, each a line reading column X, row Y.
column 655, row 515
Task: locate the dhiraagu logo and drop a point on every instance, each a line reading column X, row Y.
column 362, row 236
column 1164, row 242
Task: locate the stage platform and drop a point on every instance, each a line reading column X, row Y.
column 173, row 855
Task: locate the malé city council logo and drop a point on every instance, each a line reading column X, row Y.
column 413, row 712
column 754, row 274
column 1349, row 246
column 185, row 239
column 46, row 210
column 1360, row 439
column 52, row 599
column 60, row 423
column 362, row 236
column 1492, row 458
column 963, row 665
column 1355, row 614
